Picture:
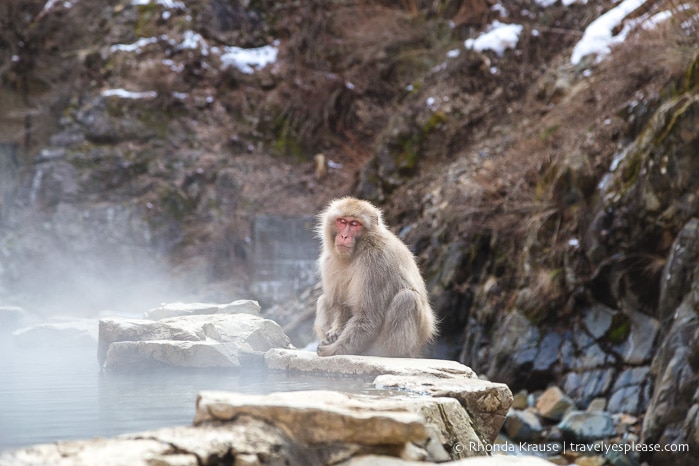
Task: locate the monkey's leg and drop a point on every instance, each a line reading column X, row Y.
column 400, row 333
column 355, row 336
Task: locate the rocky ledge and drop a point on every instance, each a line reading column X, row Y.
column 419, row 410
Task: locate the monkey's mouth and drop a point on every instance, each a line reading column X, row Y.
column 343, row 249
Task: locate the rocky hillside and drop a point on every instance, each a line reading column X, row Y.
column 549, row 189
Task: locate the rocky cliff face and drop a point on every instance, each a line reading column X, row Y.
column 618, row 318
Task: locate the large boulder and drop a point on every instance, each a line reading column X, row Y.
column 197, row 341
column 420, row 428
column 318, row 416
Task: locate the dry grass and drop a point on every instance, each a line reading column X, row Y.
column 583, row 131
column 342, row 74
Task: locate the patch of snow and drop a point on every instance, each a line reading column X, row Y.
column 499, row 9
column 453, row 53
column 176, row 67
column 248, row 60
column 193, row 40
column 598, row 36
column 163, row 3
column 51, row 4
column 124, row 94
column 606, row 179
column 136, row 46
column 498, row 38
column 656, row 19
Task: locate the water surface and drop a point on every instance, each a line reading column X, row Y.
column 49, row 394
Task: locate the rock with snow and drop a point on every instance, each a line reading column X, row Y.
column 164, row 311
column 197, row 341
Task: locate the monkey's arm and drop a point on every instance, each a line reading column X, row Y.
column 328, row 323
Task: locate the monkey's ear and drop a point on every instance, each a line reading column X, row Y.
column 370, row 215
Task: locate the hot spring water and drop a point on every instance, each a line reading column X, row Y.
column 49, row 394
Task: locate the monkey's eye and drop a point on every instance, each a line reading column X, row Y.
column 345, row 222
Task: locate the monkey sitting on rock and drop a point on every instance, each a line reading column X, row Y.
column 374, row 299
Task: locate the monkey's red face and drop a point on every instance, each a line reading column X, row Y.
column 348, row 230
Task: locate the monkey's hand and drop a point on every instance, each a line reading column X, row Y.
column 325, row 349
column 331, row 336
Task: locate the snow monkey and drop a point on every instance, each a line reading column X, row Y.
column 374, row 300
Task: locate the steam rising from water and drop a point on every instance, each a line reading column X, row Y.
column 62, row 283
column 81, row 260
